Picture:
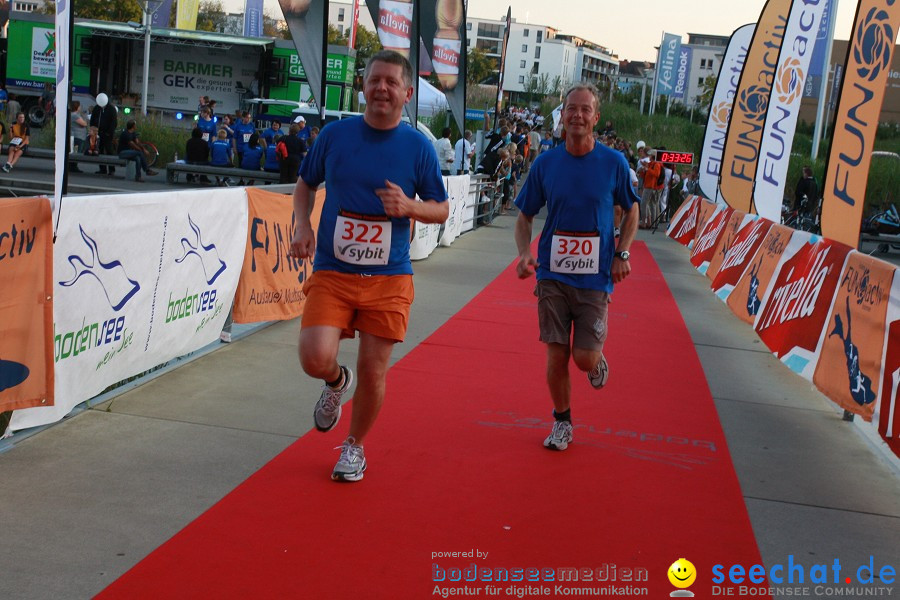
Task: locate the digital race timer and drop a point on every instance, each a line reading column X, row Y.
column 679, row 158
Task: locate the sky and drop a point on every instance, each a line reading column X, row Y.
column 630, row 29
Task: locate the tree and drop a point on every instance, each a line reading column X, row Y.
column 211, row 16
column 367, row 44
column 706, row 94
column 478, row 66
column 103, row 10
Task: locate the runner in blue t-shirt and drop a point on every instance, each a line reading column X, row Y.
column 373, row 166
column 578, row 260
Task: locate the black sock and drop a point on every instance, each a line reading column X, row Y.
column 563, row 416
column 334, row 384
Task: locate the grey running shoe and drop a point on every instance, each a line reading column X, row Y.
column 560, row 436
column 328, row 408
column 599, row 374
column 352, row 463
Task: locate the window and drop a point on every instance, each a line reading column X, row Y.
column 534, row 69
column 489, row 30
column 700, row 82
column 524, row 47
column 537, row 52
column 468, row 26
column 525, row 33
column 521, row 64
column 488, row 46
column 340, row 14
column 540, row 36
column 341, row 29
column 521, row 79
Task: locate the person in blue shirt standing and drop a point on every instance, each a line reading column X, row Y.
column 207, row 126
column 253, row 154
column 580, row 182
column 220, row 154
column 272, row 165
column 362, row 275
column 303, row 133
column 272, row 132
column 243, row 129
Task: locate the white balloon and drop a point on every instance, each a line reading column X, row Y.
column 102, row 100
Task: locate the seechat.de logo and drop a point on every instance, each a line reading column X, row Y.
column 682, row 575
column 873, row 43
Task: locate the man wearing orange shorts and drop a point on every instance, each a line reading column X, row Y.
column 373, row 167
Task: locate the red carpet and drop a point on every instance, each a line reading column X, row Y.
column 456, row 464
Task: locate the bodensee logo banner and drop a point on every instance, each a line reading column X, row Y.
column 748, row 115
column 869, row 57
column 26, row 308
column 849, row 366
column 139, row 280
column 271, row 284
column 784, row 106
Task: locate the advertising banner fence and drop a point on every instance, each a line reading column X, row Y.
column 139, row 280
column 271, row 284
column 739, row 255
column 26, row 304
column 457, row 194
column 726, row 239
column 708, row 238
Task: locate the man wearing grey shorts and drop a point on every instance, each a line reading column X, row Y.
column 579, row 258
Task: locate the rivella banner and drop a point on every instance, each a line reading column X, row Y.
column 397, row 27
column 726, row 240
column 869, row 57
column 746, row 298
column 799, row 299
column 748, row 115
column 720, row 110
column 305, row 20
column 740, row 253
column 139, row 279
column 26, row 310
column 784, row 107
column 683, row 227
column 443, row 32
column 271, row 284
column 708, row 239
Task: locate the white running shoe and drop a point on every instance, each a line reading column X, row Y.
column 328, row 409
column 352, row 464
column 560, row 436
column 599, row 374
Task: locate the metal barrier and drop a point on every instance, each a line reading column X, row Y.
column 488, row 195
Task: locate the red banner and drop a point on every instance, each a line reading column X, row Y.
column 746, row 298
column 798, row 302
column 708, row 239
column 26, row 308
column 726, row 239
column 741, row 252
column 849, row 366
column 889, row 399
column 271, row 284
column 684, row 223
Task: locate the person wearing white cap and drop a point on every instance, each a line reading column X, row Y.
column 303, row 134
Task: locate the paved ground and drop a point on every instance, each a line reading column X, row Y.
column 86, row 499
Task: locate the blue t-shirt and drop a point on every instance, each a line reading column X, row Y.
column 242, row 133
column 272, row 163
column 208, row 127
column 251, row 158
column 303, row 134
column 269, row 135
column 221, row 153
column 354, row 160
column 579, row 192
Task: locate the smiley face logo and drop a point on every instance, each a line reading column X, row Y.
column 682, row 573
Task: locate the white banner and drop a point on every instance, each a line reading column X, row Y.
column 784, row 107
column 457, row 192
column 424, row 240
column 138, row 280
column 720, row 110
column 179, row 75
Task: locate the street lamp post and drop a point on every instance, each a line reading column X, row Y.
column 148, row 7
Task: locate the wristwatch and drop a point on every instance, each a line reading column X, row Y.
column 624, row 254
